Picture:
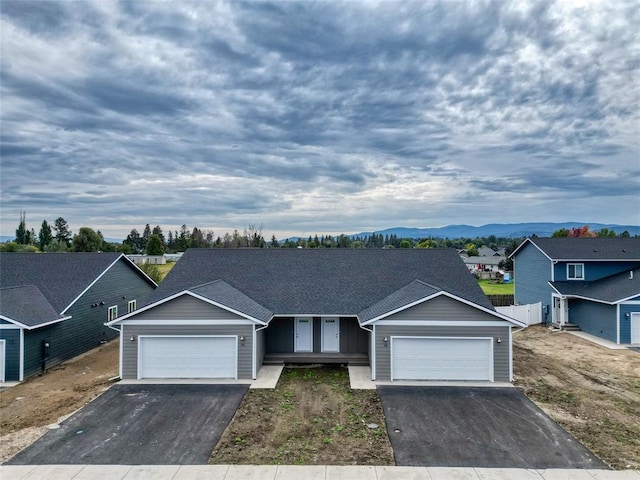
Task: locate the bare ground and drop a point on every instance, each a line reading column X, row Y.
column 593, row 392
column 311, row 418
column 27, row 409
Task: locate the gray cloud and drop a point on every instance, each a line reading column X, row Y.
column 319, row 116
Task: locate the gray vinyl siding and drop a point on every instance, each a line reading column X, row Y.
column 595, row 318
column 279, row 335
column 441, row 308
column 353, row 339
column 532, row 273
column 501, row 368
column 187, row 307
column 85, row 329
column 12, row 354
column 130, row 348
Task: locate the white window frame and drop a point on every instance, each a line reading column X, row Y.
column 112, row 313
column 131, row 306
column 574, row 265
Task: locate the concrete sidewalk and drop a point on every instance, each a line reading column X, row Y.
column 294, row 472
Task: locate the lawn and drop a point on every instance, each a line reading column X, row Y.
column 164, row 269
column 311, row 418
column 489, row 287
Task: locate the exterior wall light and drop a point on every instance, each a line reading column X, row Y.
column 499, row 340
column 132, row 339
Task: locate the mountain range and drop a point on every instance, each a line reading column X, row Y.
column 508, row 230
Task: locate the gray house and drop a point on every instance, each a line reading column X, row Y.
column 408, row 313
column 53, row 306
column 591, row 283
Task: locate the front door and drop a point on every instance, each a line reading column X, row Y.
column 330, row 334
column 559, row 310
column 635, row 328
column 304, row 334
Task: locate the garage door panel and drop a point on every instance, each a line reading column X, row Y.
column 441, row 358
column 188, row 357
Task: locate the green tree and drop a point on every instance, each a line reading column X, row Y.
column 23, row 235
column 471, row 249
column 87, row 240
column 405, row 244
column 274, row 242
column 155, row 245
column 134, row 240
column 152, row 271
column 63, row 234
column 9, row 247
column 45, row 236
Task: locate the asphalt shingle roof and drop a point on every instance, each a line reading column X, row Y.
column 609, row 289
column 321, row 281
column 60, row 277
column 223, row 293
column 587, row 248
column 27, row 305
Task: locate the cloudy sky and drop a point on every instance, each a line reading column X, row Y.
column 318, row 117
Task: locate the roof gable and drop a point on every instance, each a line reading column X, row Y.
column 321, row 281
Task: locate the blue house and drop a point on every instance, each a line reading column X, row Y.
column 593, row 283
column 54, row 306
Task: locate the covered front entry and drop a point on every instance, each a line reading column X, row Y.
column 442, row 358
column 187, row 357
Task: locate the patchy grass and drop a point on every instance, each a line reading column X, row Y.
column 164, row 269
column 311, row 418
column 594, row 393
column 489, row 287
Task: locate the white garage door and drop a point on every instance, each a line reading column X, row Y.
column 441, row 358
column 187, row 357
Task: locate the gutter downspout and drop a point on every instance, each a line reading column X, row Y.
column 372, row 356
column 120, row 330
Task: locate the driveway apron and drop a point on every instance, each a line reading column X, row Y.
column 490, row 427
column 141, row 425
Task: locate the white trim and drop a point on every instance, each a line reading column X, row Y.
column 454, row 297
column 532, row 243
column 3, row 359
column 448, row 323
column 142, row 337
column 27, row 327
column 510, row 355
column 322, row 323
column 114, row 309
column 373, row 350
column 194, row 295
column 626, row 301
column 490, row 339
column 553, row 270
column 253, row 352
column 13, row 326
column 618, row 324
column 256, row 329
column 133, row 302
column 574, row 264
column 120, row 351
column 188, row 322
column 21, row 378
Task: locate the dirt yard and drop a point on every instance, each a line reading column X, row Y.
column 27, row 409
column 591, row 391
column 311, row 418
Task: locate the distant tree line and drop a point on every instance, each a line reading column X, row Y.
column 153, row 241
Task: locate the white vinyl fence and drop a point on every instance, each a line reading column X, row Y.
column 529, row 314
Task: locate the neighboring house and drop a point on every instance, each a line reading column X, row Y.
column 482, row 264
column 487, row 252
column 593, row 283
column 54, row 306
column 141, row 259
column 408, row 313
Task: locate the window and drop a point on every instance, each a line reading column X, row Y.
column 575, row 271
column 113, row 313
column 131, row 306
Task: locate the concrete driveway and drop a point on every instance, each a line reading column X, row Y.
column 491, row 427
column 141, row 425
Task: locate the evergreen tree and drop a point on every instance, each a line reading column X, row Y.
column 45, row 237
column 63, row 234
column 23, row 236
column 274, row 242
column 87, row 240
column 155, row 245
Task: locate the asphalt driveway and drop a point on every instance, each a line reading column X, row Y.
column 490, row 427
column 141, row 425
